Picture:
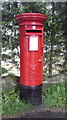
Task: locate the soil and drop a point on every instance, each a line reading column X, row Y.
column 39, row 111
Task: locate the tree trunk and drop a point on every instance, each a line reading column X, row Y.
column 52, row 37
column 65, row 38
column 16, row 4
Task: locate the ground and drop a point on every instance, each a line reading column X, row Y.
column 40, row 111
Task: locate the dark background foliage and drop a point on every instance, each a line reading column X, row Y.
column 55, row 43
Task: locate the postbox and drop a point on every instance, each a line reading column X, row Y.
column 31, row 35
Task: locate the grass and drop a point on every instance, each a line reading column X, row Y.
column 54, row 95
column 11, row 104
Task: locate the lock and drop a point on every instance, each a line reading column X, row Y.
column 40, row 60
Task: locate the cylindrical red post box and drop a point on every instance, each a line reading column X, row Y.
column 31, row 27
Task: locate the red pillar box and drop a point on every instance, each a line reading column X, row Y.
column 31, row 27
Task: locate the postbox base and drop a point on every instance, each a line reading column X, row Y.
column 32, row 94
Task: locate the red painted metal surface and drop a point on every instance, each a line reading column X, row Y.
column 31, row 27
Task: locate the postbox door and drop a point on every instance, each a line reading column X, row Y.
column 35, row 60
column 31, row 58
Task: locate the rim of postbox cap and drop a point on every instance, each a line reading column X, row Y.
column 31, row 15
